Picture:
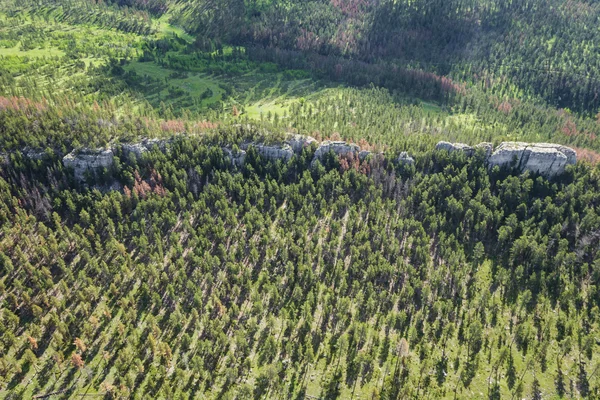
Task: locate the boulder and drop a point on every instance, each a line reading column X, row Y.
column 338, row 147
column 87, row 159
column 543, row 158
column 299, row 142
column 405, row 159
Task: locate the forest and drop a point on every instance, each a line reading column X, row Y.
column 175, row 273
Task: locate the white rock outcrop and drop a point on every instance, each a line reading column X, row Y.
column 338, row 147
column 87, row 160
column 299, row 142
column 543, row 158
column 567, row 151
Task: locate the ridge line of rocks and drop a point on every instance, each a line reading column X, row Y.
column 547, row 159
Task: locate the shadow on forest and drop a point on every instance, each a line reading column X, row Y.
column 422, row 32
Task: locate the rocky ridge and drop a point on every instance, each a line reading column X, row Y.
column 547, row 159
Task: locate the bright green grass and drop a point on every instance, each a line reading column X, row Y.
column 255, row 111
column 256, row 94
column 34, row 53
column 277, row 99
column 166, row 29
column 194, row 85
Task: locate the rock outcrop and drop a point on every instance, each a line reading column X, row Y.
column 567, row 151
column 88, row 160
column 237, row 159
column 405, row 159
column 137, row 149
column 465, row 148
column 452, row 147
column 338, row 147
column 274, row 152
column 33, row 154
column 544, row 158
column 299, row 142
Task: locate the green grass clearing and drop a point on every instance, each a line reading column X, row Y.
column 166, row 29
column 34, row 53
column 172, row 86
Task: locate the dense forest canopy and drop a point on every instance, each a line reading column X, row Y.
column 178, row 272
